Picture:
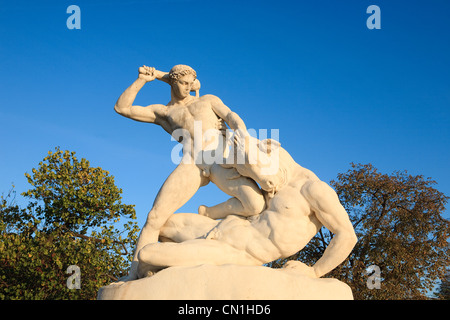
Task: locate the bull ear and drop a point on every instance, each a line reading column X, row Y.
column 267, row 145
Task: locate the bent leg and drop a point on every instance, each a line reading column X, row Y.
column 247, row 200
column 186, row 226
column 191, row 253
column 178, row 188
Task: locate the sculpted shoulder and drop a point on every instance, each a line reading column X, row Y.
column 211, row 98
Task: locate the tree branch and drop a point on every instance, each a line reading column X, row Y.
column 95, row 239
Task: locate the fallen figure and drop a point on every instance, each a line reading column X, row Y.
column 298, row 204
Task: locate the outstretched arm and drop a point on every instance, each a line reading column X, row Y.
column 124, row 105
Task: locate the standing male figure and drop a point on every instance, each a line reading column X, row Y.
column 182, row 112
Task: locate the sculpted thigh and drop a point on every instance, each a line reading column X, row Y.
column 186, row 226
column 230, row 180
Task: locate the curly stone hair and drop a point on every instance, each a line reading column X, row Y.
column 180, row 70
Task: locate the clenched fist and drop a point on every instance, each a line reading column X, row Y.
column 147, row 73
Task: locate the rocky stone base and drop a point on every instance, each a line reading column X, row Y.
column 227, row 282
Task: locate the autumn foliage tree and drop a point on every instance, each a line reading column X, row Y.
column 444, row 288
column 72, row 218
column 400, row 228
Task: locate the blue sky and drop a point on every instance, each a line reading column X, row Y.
column 337, row 91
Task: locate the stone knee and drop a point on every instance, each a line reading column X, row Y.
column 146, row 254
column 145, row 258
column 156, row 219
column 253, row 203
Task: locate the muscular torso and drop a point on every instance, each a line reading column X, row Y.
column 197, row 112
column 292, row 221
column 284, row 228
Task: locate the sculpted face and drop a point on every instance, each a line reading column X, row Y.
column 182, row 87
column 262, row 161
column 266, row 182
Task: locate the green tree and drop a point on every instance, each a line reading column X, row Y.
column 398, row 221
column 71, row 219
